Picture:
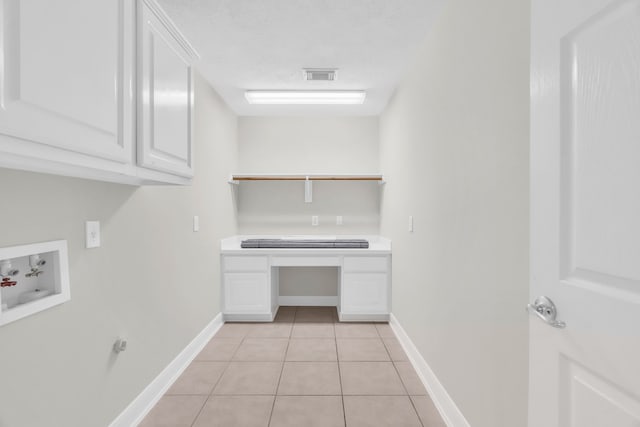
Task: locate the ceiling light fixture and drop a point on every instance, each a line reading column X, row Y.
column 307, row 97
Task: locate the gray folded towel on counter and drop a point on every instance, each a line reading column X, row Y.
column 307, row 243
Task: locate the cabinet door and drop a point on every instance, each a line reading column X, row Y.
column 65, row 79
column 165, row 95
column 246, row 293
column 365, row 293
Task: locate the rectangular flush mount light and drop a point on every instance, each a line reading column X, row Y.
column 308, row 97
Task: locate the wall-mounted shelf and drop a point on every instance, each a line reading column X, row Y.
column 236, row 178
column 307, row 178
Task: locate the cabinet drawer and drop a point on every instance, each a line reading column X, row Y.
column 245, row 263
column 368, row 263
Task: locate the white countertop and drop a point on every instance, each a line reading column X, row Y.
column 377, row 245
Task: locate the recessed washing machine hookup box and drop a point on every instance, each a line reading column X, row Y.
column 33, row 278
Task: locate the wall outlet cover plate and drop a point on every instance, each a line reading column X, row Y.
column 92, row 230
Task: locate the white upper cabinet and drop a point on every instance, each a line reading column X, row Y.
column 68, row 74
column 165, row 95
column 66, row 83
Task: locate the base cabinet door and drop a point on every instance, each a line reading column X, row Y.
column 365, row 293
column 246, row 293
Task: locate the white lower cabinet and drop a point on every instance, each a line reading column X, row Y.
column 250, row 284
column 246, row 293
column 365, row 293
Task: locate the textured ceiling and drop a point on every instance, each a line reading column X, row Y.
column 265, row 44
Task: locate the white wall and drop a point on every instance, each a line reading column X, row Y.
column 309, row 281
column 308, row 145
column 153, row 281
column 454, row 150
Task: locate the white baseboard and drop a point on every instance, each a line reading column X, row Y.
column 445, row 405
column 308, row 301
column 141, row 405
column 249, row 317
column 350, row 317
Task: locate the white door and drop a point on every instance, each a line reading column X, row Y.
column 65, row 77
column 585, row 212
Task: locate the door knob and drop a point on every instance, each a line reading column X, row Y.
column 546, row 310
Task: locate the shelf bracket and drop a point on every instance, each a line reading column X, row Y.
column 308, row 190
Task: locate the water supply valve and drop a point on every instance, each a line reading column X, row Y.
column 35, row 262
column 7, row 272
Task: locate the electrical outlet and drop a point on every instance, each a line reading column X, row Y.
column 92, row 234
column 196, row 223
column 314, row 220
column 339, row 220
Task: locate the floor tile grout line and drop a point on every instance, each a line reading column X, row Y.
column 219, row 378
column 199, row 412
column 308, row 395
column 387, row 350
column 399, row 376
column 279, row 378
column 268, row 394
column 303, row 395
column 212, row 388
column 344, row 410
column 376, row 395
column 416, row 410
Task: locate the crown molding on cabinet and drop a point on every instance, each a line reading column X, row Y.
column 171, row 27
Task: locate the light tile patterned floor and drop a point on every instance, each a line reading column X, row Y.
column 304, row 370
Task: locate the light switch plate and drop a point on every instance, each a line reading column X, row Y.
column 196, row 223
column 411, row 224
column 92, row 232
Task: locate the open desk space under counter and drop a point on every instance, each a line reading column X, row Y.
column 250, row 276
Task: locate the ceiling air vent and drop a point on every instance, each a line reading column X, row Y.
column 320, row 74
